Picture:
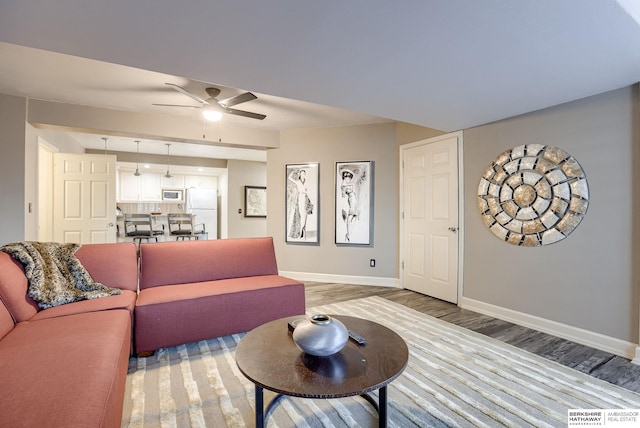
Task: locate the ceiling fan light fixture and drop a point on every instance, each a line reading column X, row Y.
column 211, row 114
column 212, row 103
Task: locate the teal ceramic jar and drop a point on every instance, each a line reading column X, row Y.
column 320, row 335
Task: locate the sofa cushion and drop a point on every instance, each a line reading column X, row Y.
column 66, row 371
column 178, row 262
column 6, row 322
column 175, row 314
column 114, row 265
column 13, row 289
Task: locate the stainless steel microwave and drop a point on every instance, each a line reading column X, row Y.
column 172, row 195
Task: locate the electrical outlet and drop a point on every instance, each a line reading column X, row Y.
column 372, row 263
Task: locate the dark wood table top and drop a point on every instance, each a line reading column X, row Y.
column 269, row 358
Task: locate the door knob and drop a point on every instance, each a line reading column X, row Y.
column 453, row 229
column 110, row 224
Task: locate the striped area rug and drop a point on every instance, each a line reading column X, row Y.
column 455, row 378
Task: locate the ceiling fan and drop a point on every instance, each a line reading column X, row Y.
column 213, row 105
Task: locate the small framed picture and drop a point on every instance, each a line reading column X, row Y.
column 353, row 202
column 302, row 204
column 255, row 201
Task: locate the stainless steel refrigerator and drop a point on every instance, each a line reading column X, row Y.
column 203, row 204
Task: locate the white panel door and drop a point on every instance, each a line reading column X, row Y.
column 84, row 187
column 430, row 218
column 45, row 192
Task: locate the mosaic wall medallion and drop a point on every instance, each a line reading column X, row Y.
column 533, row 195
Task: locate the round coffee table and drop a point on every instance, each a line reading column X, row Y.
column 268, row 357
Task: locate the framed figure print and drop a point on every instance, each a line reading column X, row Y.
column 255, row 201
column 353, row 202
column 301, row 196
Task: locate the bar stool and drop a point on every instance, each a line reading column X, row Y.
column 139, row 227
column 183, row 226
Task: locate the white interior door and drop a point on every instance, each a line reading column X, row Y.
column 45, row 192
column 84, row 209
column 430, row 217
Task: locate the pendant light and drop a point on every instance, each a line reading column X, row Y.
column 168, row 175
column 137, row 173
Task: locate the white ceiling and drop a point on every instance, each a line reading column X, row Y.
column 52, row 76
column 444, row 64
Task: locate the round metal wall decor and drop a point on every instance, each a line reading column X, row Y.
column 533, row 195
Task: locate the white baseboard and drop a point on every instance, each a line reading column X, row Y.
column 595, row 340
column 342, row 279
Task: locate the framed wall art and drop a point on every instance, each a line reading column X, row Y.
column 353, row 202
column 302, row 204
column 255, row 201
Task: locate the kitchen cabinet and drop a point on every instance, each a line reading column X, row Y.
column 175, row 182
column 150, row 189
column 142, row 188
column 200, row 181
column 148, row 186
column 129, row 187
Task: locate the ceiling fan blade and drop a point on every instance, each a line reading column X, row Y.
column 242, row 98
column 244, row 113
column 187, row 93
column 175, row 105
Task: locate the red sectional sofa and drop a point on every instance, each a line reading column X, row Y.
column 67, row 365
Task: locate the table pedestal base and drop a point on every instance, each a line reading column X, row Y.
column 262, row 414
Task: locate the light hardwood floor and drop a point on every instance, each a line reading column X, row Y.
column 609, row 367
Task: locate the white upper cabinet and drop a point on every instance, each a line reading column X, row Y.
column 201, row 181
column 142, row 188
column 129, row 186
column 150, row 189
column 175, row 182
column 148, row 186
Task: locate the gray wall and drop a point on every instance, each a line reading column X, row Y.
column 408, row 133
column 326, row 146
column 240, row 174
column 13, row 206
column 586, row 280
